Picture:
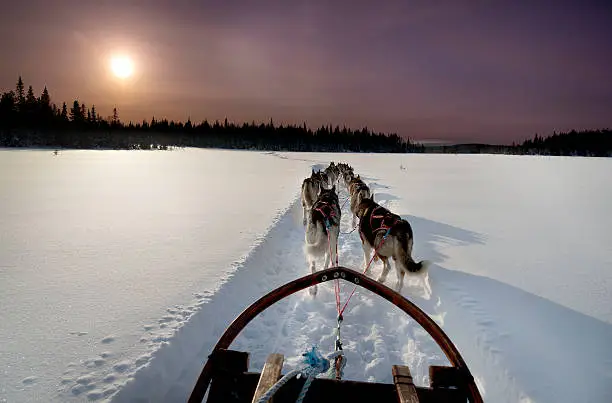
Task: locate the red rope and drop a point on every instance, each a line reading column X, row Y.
column 337, row 282
column 382, row 241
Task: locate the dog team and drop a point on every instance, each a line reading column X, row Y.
column 381, row 231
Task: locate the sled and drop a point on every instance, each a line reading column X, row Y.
column 226, row 371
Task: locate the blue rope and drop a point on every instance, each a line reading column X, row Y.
column 387, row 233
column 315, row 364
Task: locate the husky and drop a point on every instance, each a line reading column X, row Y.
column 354, row 183
column 322, row 230
column 358, row 191
column 310, row 190
column 389, row 236
column 333, row 173
column 322, row 178
column 348, row 176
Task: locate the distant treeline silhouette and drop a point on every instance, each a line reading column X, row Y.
column 595, row 143
column 590, row 143
column 30, row 121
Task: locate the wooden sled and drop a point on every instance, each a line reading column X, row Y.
column 226, row 371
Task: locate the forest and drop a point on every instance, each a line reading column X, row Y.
column 27, row 120
column 30, row 121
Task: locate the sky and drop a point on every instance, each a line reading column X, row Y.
column 485, row 71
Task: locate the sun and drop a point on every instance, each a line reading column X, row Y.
column 122, row 66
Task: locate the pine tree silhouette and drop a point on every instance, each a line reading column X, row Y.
column 64, row 114
column 20, row 94
column 75, row 112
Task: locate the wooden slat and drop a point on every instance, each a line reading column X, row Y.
column 269, row 375
column 406, row 392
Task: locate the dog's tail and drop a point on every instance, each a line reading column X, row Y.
column 415, row 267
column 406, row 242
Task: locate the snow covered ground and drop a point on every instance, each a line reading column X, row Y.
column 119, row 270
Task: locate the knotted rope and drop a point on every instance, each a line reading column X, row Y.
column 315, row 364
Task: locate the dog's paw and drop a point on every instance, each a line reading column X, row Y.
column 381, row 279
column 313, row 290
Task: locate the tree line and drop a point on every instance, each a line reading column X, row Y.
column 590, row 143
column 30, row 121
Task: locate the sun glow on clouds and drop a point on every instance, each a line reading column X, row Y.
column 122, row 66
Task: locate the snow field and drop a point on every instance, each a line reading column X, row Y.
column 519, row 274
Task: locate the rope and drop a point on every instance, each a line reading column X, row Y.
column 351, row 231
column 343, row 203
column 268, row 395
column 337, row 281
column 315, row 364
column 382, row 241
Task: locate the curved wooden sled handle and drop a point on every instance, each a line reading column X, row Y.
column 353, row 277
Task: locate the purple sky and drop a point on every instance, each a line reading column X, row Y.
column 478, row 70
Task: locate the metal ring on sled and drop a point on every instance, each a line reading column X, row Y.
column 353, row 277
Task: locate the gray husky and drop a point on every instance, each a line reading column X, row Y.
column 310, row 191
column 358, row 191
column 333, row 173
column 322, row 230
column 375, row 222
column 322, row 178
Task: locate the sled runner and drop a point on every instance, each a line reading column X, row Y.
column 226, row 371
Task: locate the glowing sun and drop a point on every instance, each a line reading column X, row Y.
column 122, row 66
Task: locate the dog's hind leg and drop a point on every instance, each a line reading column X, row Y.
column 400, row 276
column 304, row 219
column 313, row 269
column 386, row 268
column 328, row 255
column 367, row 252
column 334, row 247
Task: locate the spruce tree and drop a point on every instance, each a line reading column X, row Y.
column 20, row 93
column 75, row 111
column 64, row 114
column 45, row 100
column 30, row 98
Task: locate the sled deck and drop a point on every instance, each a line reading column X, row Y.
column 226, row 377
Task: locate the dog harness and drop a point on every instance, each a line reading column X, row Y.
column 326, row 210
column 384, row 221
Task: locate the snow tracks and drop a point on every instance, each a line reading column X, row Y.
column 375, row 333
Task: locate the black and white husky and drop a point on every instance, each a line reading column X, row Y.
column 322, row 230
column 376, row 222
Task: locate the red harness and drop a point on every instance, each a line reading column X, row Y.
column 387, row 220
column 327, row 215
